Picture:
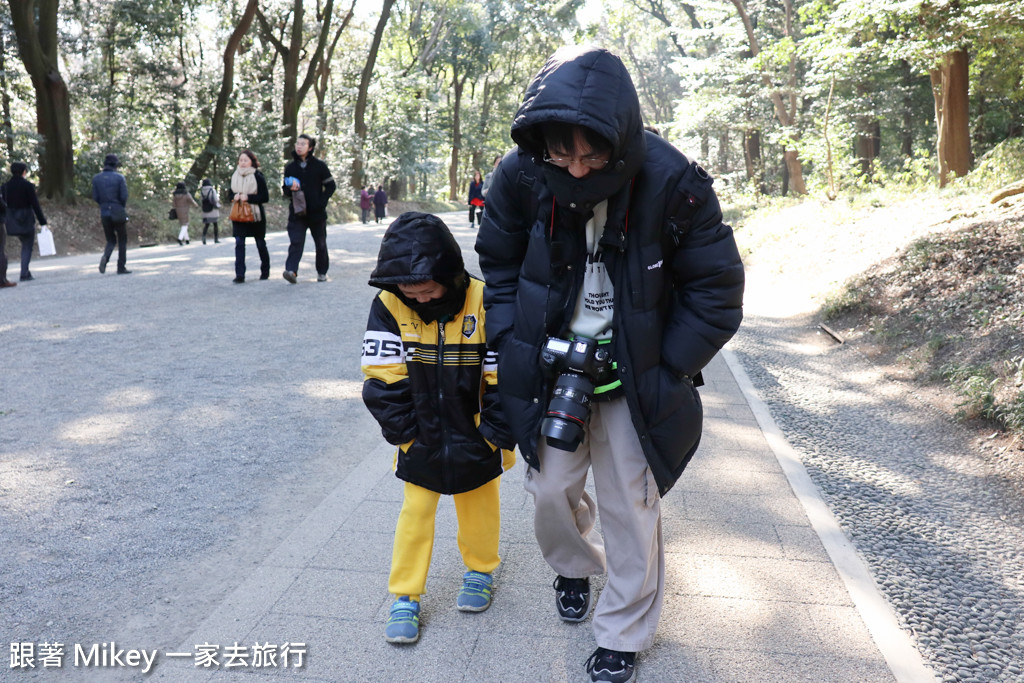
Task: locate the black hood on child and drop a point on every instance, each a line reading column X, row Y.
column 419, row 247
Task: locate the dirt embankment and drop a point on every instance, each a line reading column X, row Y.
column 929, row 287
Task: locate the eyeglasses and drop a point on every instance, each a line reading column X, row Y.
column 593, row 162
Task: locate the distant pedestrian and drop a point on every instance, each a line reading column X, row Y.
column 4, row 282
column 430, row 383
column 366, row 202
column 476, row 198
column 182, row 201
column 380, row 203
column 22, row 212
column 110, row 191
column 311, row 177
column 210, row 204
column 249, row 185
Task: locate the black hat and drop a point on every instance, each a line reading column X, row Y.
column 111, row 161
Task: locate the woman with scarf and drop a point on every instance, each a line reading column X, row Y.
column 250, row 186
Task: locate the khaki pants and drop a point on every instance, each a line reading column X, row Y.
column 479, row 515
column 632, row 549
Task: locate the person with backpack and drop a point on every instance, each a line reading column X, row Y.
column 629, row 289
column 210, row 206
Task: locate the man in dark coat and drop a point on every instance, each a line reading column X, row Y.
column 110, row 191
column 4, row 282
column 380, row 203
column 310, row 175
column 601, row 233
column 23, row 211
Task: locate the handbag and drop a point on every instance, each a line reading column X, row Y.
column 299, row 202
column 172, row 215
column 241, row 212
column 46, row 245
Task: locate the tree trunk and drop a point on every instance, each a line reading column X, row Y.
column 866, row 144
column 952, row 121
column 785, row 174
column 290, row 86
column 215, row 141
column 723, row 152
column 293, row 93
column 323, row 74
column 795, row 170
column 868, row 132
column 786, row 113
column 453, row 168
column 359, row 115
column 5, row 100
column 907, row 129
column 752, row 154
column 35, row 27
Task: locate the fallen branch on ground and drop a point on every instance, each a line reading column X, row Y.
column 1008, row 191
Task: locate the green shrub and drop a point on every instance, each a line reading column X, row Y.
column 1003, row 164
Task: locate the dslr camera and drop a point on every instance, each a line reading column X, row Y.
column 580, row 363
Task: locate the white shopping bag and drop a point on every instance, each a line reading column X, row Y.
column 46, row 245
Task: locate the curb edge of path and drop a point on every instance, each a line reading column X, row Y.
column 903, row 658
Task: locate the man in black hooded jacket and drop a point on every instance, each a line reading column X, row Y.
column 311, row 176
column 603, row 234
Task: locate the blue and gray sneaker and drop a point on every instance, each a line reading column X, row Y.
column 475, row 595
column 404, row 622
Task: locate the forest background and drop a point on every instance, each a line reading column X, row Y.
column 782, row 100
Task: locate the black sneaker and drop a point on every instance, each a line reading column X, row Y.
column 572, row 598
column 611, row 666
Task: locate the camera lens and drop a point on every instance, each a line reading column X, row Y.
column 567, row 411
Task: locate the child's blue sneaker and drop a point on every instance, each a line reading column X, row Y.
column 475, row 595
column 404, row 622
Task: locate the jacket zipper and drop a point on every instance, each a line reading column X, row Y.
column 440, row 405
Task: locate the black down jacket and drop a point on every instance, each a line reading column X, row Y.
column 674, row 264
column 431, row 384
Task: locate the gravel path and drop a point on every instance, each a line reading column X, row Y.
column 143, row 416
column 938, row 522
column 140, row 421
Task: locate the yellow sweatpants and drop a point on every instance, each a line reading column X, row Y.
column 479, row 515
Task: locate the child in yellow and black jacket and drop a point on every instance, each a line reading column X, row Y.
column 431, row 383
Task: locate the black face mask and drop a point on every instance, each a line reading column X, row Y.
column 442, row 309
column 583, row 194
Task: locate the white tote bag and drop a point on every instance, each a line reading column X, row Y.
column 46, row 245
